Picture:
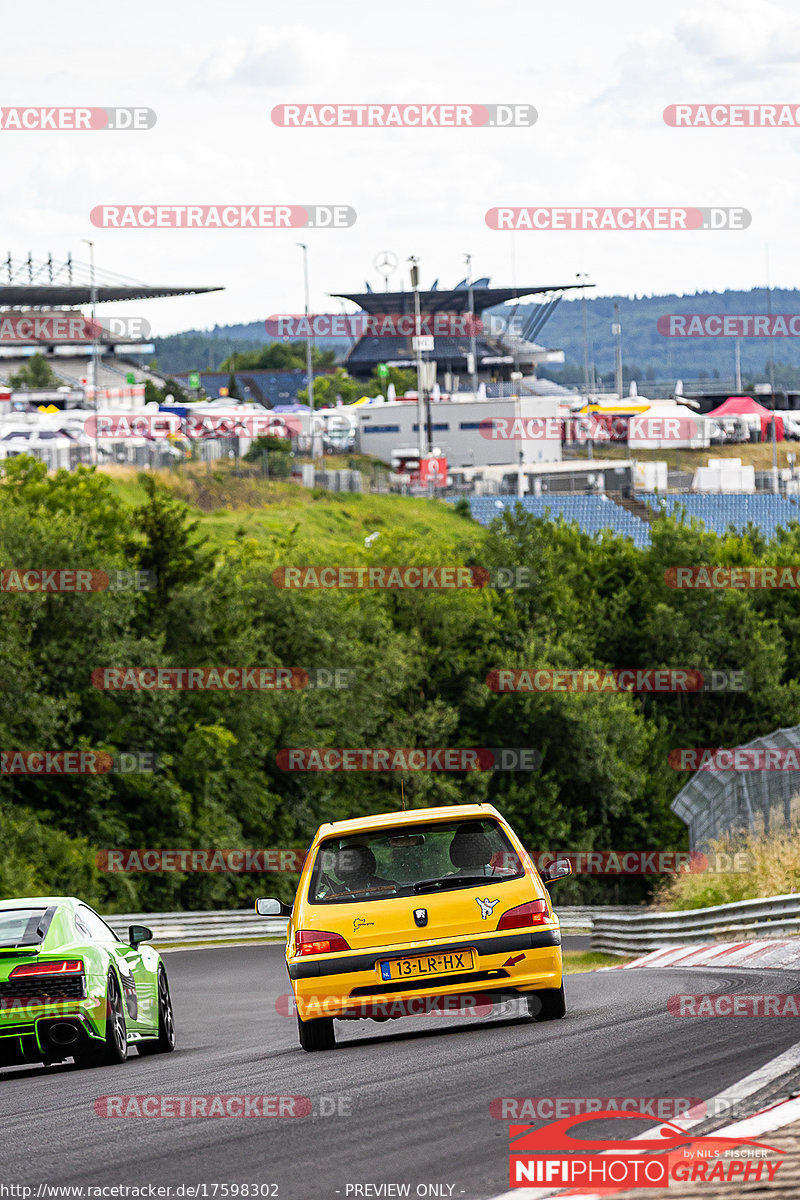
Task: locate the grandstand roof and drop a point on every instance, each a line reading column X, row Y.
column 39, row 283
column 448, row 300
column 36, row 295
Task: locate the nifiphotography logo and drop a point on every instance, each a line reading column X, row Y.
column 553, row 1156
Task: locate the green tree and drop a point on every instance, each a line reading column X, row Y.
column 35, row 373
column 168, row 545
column 279, row 356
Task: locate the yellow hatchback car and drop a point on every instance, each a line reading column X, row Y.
column 398, row 912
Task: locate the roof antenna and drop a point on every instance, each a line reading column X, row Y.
column 403, row 794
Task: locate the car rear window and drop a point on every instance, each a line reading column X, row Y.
column 22, row 926
column 409, row 860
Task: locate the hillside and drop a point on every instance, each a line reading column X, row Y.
column 646, row 354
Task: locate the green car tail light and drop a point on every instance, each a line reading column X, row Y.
column 62, row 966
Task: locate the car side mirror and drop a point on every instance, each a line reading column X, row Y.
column 138, row 934
column 268, row 907
column 557, row 870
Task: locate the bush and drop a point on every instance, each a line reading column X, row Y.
column 775, row 871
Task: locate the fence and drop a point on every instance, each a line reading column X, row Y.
column 621, row 930
column 238, row 924
column 243, row 924
column 717, row 803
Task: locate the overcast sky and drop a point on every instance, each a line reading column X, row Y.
column 600, row 77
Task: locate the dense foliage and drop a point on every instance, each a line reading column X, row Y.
column 420, row 661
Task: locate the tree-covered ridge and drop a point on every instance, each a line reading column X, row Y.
column 419, row 661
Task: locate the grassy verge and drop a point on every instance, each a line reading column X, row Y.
column 589, row 960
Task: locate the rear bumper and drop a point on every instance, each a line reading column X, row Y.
column 350, row 985
column 48, row 1036
column 20, row 1018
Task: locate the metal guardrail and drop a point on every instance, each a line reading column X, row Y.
column 577, row 918
column 201, row 927
column 621, row 930
column 638, row 933
column 245, row 925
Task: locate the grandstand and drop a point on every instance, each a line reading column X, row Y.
column 766, row 510
column 49, row 290
column 593, row 514
column 75, row 371
column 497, row 356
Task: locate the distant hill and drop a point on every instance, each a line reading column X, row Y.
column 646, row 353
column 649, row 355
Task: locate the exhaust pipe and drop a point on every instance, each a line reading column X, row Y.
column 62, row 1034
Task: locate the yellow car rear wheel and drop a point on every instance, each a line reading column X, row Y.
column 548, row 1004
column 316, row 1034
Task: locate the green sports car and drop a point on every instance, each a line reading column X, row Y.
column 70, row 988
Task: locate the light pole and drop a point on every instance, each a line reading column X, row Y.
column 421, row 439
column 616, row 329
column 775, row 484
column 90, row 244
column 589, row 452
column 309, row 369
column 581, row 276
column 473, row 350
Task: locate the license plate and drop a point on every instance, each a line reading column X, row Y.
column 429, row 964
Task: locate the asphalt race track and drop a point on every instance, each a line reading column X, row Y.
column 417, row 1090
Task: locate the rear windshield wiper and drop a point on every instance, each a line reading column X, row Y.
column 453, row 881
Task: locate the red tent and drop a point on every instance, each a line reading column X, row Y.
column 746, row 406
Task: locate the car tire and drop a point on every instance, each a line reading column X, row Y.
column 165, row 1042
column 317, row 1034
column 113, row 1049
column 548, row 1004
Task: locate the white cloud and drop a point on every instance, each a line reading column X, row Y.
column 270, row 58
